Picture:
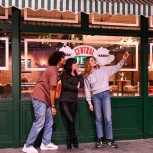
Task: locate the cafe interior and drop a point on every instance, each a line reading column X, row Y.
column 37, row 47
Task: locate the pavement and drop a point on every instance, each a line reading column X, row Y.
column 126, row 146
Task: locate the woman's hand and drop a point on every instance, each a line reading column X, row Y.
column 78, row 71
column 91, row 107
column 78, row 86
column 126, row 55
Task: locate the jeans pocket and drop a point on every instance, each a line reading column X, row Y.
column 95, row 98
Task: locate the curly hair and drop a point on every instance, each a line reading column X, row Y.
column 68, row 65
column 55, row 58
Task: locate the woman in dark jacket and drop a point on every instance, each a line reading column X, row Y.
column 71, row 80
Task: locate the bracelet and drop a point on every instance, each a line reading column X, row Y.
column 53, row 106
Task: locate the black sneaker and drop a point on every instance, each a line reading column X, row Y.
column 112, row 143
column 98, row 143
column 104, row 140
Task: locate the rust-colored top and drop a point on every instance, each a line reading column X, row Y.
column 42, row 89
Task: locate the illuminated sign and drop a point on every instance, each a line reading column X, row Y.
column 81, row 52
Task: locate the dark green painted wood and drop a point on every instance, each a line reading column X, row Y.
column 26, row 119
column 16, row 72
column 127, row 118
column 149, row 110
column 127, row 121
column 132, row 116
column 144, row 70
column 150, row 117
column 79, row 30
column 6, row 26
column 84, row 21
column 6, row 124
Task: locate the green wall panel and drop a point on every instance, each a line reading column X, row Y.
column 26, row 120
column 127, row 115
column 127, row 121
column 6, row 124
column 150, row 117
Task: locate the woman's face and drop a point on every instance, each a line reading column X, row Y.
column 74, row 66
column 92, row 62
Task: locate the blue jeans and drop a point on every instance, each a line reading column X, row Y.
column 102, row 104
column 43, row 118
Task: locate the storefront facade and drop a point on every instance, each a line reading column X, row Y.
column 27, row 39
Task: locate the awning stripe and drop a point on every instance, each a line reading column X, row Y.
column 48, row 5
column 55, row 4
column 136, row 7
column 73, row 5
column 82, row 6
column 67, row 6
column 131, row 1
column 58, row 5
column 79, row 5
column 93, row 7
column 96, row 6
column 101, row 8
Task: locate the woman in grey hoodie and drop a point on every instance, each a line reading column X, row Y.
column 96, row 83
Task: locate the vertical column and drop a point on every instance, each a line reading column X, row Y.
column 84, row 21
column 16, row 73
column 144, row 69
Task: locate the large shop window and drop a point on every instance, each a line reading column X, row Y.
column 38, row 47
column 5, row 69
column 150, row 69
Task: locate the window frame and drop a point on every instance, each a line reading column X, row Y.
column 6, row 67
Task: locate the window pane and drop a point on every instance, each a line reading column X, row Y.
column 37, row 49
column 150, row 69
column 5, row 69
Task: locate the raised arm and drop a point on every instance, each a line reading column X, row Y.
column 114, row 69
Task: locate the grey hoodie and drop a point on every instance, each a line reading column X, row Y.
column 98, row 79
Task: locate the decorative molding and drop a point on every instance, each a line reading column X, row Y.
column 116, row 24
column 78, row 41
column 6, row 14
column 151, row 21
column 76, row 20
column 151, row 58
column 6, row 67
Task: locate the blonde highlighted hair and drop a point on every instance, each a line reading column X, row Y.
column 87, row 67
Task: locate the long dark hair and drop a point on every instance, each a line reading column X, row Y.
column 68, row 65
column 55, row 58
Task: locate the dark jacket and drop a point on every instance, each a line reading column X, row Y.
column 69, row 92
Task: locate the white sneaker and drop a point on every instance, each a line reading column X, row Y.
column 29, row 149
column 50, row 146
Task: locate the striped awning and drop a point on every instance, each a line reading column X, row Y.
column 124, row 7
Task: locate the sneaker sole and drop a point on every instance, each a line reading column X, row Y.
column 24, row 150
column 98, row 146
column 48, row 148
column 112, row 146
